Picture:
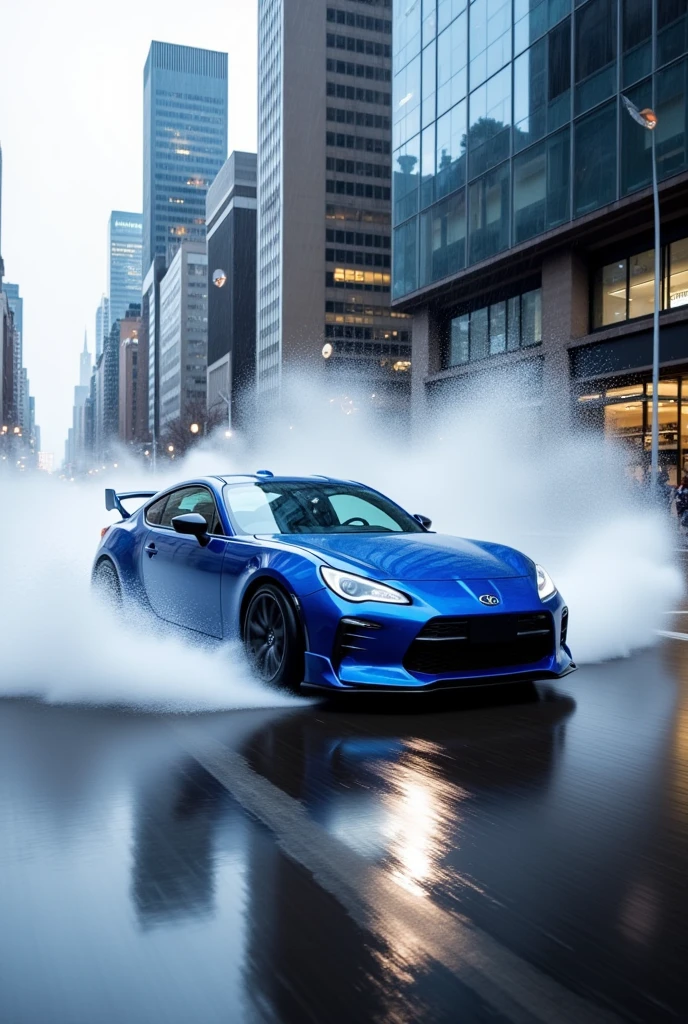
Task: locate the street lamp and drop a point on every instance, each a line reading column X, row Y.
column 170, row 447
column 647, row 118
column 194, row 428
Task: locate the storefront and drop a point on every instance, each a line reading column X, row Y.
column 624, row 412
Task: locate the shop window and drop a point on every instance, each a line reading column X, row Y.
column 678, row 274
column 611, row 293
column 595, row 160
column 641, row 284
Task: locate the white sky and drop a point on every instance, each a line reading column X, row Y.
column 71, row 82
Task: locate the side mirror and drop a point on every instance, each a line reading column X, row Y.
column 423, row 520
column 194, row 524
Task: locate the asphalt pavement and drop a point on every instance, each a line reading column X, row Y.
column 517, row 855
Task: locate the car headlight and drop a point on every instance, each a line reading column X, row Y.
column 358, row 588
column 545, row 584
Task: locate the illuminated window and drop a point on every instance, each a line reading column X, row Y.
column 360, row 276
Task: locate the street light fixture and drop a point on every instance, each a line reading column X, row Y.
column 647, row 119
column 170, row 447
column 194, row 428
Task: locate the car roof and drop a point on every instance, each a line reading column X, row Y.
column 232, row 478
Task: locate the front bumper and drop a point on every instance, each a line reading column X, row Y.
column 376, row 660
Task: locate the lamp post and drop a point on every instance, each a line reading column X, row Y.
column 647, row 119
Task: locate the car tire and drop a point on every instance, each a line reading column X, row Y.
column 107, row 585
column 273, row 639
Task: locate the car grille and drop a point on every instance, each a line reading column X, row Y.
column 354, row 637
column 480, row 642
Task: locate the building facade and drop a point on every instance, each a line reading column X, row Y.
column 20, row 396
column 149, row 347
column 183, row 334
column 184, row 143
column 125, row 259
column 231, row 219
column 324, row 196
column 523, row 224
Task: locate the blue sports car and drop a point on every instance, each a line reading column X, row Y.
column 333, row 587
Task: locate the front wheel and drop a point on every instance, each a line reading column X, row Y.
column 272, row 638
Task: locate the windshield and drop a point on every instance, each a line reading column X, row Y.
column 305, row 507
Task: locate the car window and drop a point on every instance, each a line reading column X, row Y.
column 192, row 499
column 314, row 507
column 364, row 513
column 154, row 512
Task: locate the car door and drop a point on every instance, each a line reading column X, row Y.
column 181, row 577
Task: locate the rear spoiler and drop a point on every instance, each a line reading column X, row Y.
column 114, row 500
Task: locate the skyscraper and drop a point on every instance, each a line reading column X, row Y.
column 16, row 304
column 184, row 143
column 324, row 195
column 125, row 241
column 103, row 324
column 231, row 215
column 85, row 366
column 184, row 334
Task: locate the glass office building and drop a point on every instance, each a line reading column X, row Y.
column 125, row 231
column 184, row 143
column 518, row 172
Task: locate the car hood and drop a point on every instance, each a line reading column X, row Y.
column 415, row 556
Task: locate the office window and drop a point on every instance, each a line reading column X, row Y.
column 443, row 239
column 489, row 214
column 624, row 290
column 531, row 318
column 406, row 31
column 672, row 30
column 429, row 19
column 595, row 53
column 558, row 75
column 490, row 117
column 490, row 38
column 404, row 275
column 497, row 328
column 611, row 293
column 406, row 102
column 672, row 113
column 636, row 143
column 451, row 155
column 406, row 176
column 447, row 10
column 636, row 40
column 595, row 160
column 427, row 167
column 530, row 89
column 452, row 59
column 504, row 326
column 429, row 73
column 458, row 340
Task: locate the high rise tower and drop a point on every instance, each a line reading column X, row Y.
column 184, row 143
column 125, row 237
column 85, row 365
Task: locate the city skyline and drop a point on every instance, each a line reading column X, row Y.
column 90, row 181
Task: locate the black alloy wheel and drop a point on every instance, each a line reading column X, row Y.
column 273, row 639
column 106, row 584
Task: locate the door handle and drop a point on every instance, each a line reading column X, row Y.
column 151, row 550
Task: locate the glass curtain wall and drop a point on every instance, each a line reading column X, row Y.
column 496, row 101
column 625, row 289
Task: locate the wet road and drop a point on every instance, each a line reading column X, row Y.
column 516, row 856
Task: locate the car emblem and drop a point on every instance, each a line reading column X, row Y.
column 489, row 599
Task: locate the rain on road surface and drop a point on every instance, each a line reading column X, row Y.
column 506, row 856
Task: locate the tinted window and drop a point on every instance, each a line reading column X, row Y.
column 314, row 508
column 154, row 512
column 192, row 499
